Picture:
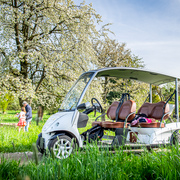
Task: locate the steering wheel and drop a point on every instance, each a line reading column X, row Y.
column 100, row 107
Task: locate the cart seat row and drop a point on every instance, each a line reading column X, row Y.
column 127, row 108
column 155, row 111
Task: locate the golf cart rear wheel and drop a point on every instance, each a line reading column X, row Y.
column 176, row 138
column 61, row 146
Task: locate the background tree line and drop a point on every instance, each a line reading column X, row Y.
column 45, row 45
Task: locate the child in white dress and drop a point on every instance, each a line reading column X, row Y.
column 22, row 119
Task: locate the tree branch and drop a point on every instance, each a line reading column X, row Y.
column 41, row 80
column 16, row 26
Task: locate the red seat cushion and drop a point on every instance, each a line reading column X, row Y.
column 97, row 123
column 127, row 107
column 154, row 110
column 112, row 125
column 149, row 125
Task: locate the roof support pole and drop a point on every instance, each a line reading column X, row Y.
column 176, row 101
column 150, row 93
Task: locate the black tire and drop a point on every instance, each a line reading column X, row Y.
column 175, row 138
column 61, row 146
column 42, row 151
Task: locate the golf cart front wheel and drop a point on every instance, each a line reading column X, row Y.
column 42, row 151
column 61, row 146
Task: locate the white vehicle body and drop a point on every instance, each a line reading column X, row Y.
column 67, row 120
column 61, row 122
column 155, row 135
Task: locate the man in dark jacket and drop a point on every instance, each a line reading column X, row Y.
column 28, row 114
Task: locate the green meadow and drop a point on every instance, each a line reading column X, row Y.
column 90, row 164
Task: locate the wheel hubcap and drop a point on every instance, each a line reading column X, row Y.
column 62, row 148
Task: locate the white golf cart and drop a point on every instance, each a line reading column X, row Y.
column 60, row 132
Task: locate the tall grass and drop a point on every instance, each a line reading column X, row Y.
column 89, row 164
column 95, row 164
column 13, row 141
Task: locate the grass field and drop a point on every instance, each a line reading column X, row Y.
column 89, row 164
column 95, row 164
column 13, row 141
column 10, row 117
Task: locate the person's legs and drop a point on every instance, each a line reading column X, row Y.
column 27, row 124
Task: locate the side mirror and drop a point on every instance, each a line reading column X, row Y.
column 81, row 106
column 84, row 106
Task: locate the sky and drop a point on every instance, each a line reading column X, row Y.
column 150, row 29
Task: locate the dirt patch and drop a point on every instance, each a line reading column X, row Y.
column 9, row 124
column 24, row 157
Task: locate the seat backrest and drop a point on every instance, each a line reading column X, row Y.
column 127, row 107
column 146, row 109
column 158, row 110
column 111, row 112
column 154, row 110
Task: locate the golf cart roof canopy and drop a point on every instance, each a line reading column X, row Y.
column 143, row 75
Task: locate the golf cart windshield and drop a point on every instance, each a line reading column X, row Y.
column 71, row 100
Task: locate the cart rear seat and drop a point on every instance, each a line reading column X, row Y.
column 154, row 111
column 126, row 109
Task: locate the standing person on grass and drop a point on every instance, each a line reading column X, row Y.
column 28, row 114
column 22, row 119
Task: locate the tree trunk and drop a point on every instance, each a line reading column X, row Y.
column 20, row 102
column 40, row 114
